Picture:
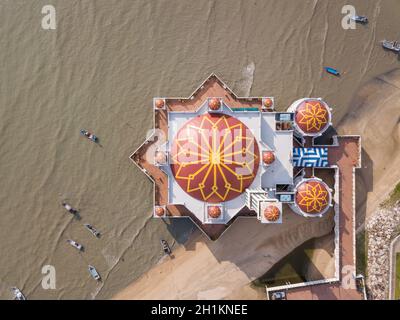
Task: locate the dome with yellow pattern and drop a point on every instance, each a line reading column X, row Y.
column 312, row 116
column 214, row 157
column 313, row 196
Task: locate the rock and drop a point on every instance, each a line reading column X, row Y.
column 381, row 229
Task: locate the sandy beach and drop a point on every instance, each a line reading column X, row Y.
column 100, row 69
column 375, row 116
column 202, row 269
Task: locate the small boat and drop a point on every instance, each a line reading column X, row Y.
column 93, row 272
column 18, row 295
column 89, row 135
column 92, row 230
column 69, row 208
column 75, row 244
column 360, row 19
column 165, row 247
column 332, row 71
column 391, row 45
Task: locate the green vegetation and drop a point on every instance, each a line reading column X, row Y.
column 361, row 252
column 397, row 287
column 393, row 198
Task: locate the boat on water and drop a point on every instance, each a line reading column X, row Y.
column 18, row 295
column 391, row 45
column 92, row 230
column 332, row 71
column 360, row 19
column 164, row 245
column 93, row 272
column 89, row 135
column 75, row 244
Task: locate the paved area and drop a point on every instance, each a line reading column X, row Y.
column 347, row 157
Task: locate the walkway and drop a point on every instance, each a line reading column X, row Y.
column 346, row 156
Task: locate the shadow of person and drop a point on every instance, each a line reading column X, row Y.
column 77, row 216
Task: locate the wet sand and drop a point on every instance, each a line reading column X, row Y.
column 99, row 71
column 376, row 117
column 217, row 270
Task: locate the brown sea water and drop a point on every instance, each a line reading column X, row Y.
column 99, row 70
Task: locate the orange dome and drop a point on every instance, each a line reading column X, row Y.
column 214, row 104
column 268, row 157
column 214, row 212
column 272, row 213
column 209, row 169
column 159, row 211
column 159, row 103
column 312, row 116
column 268, row 102
column 312, row 196
column 160, row 157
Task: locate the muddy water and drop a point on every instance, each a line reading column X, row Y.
column 99, row 70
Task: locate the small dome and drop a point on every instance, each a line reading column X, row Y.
column 313, row 196
column 214, row 212
column 272, row 213
column 160, row 157
column 312, row 116
column 214, row 104
column 268, row 102
column 159, row 211
column 159, row 103
column 268, row 157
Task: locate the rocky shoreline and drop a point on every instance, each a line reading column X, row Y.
column 382, row 228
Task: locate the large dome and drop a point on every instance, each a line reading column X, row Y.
column 313, row 197
column 214, row 157
column 312, row 116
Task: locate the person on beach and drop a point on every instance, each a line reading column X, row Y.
column 69, row 208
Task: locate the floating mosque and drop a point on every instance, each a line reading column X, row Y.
column 214, row 157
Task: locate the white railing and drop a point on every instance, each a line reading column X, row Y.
column 302, row 284
column 337, row 221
